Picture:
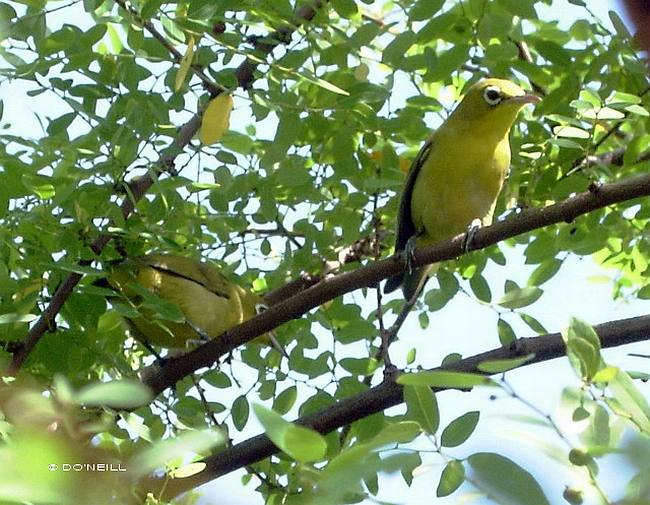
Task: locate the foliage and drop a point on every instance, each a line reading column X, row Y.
column 310, row 167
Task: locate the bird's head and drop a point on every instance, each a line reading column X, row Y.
column 493, row 103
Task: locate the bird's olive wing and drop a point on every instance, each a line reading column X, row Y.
column 405, row 227
column 190, row 270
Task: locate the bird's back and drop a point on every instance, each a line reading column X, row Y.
column 207, row 299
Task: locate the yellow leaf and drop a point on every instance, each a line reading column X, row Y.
column 216, row 119
column 188, row 470
column 186, row 62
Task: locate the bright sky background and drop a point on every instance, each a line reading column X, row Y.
column 464, row 326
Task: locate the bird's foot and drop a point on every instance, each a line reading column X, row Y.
column 594, row 187
column 470, row 234
column 409, row 254
column 262, row 307
column 277, row 345
column 159, row 361
column 203, row 337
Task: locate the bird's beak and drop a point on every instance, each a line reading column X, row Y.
column 524, row 99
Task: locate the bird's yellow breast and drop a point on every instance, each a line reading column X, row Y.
column 459, row 181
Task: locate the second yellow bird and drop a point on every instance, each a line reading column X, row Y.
column 211, row 304
column 456, row 177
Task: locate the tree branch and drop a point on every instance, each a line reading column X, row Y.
column 294, row 307
column 137, row 188
column 388, row 394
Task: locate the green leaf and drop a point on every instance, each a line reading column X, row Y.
column 217, row 378
column 619, row 25
column 494, row 25
column 522, row 8
column 626, row 399
column 503, row 365
column 61, row 123
column 150, row 7
column 394, row 52
column 285, row 400
column 327, row 85
column 186, row 63
column 240, row 412
column 480, row 287
column 40, row 185
column 505, row 481
column 453, row 475
column 410, row 356
column 359, row 366
column 605, row 374
column 533, row 324
column 599, row 432
column 345, row 8
column 506, row 334
column 570, row 132
column 425, row 9
column 118, row 394
column 302, row 444
column 590, row 96
column 409, row 464
column 619, row 97
column 59, row 40
column 602, row 113
column 440, row 379
column 638, row 110
column 460, row 429
column 520, row 297
column 544, row 272
column 583, row 347
column 437, row 27
column 422, row 407
column 448, row 62
column 396, row 433
column 584, row 358
column 13, row 317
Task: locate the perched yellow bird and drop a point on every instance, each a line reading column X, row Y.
column 210, row 303
column 456, row 177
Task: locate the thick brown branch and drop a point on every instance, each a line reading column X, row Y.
column 527, row 220
column 389, row 394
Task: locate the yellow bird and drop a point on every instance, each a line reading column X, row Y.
column 456, row 177
column 210, row 303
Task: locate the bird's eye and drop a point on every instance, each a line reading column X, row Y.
column 260, row 307
column 492, row 95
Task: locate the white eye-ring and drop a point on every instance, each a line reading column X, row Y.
column 260, row 307
column 492, row 95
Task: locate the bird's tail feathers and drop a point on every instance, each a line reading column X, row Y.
column 393, row 283
column 413, row 282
